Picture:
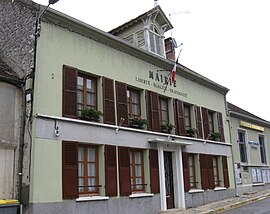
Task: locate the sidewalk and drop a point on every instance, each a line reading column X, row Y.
column 223, row 205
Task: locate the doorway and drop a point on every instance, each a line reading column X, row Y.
column 169, row 180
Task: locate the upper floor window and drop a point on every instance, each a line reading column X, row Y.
column 88, row 169
column 136, row 170
column 262, row 149
column 155, row 40
column 86, row 93
column 164, row 113
column 242, row 145
column 211, row 122
column 133, row 103
column 187, row 116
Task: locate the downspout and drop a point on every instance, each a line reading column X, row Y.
column 230, row 133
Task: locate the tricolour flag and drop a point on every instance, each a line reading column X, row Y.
column 173, row 72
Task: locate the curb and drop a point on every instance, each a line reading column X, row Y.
column 236, row 205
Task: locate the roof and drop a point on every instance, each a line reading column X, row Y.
column 7, row 74
column 161, row 17
column 235, row 110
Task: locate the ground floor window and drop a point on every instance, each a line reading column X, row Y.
column 256, row 175
column 88, row 169
column 136, row 170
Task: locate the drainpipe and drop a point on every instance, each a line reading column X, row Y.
column 229, row 126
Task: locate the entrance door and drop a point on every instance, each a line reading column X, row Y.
column 169, row 179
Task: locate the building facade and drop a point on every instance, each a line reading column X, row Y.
column 107, row 130
column 250, row 136
column 130, row 159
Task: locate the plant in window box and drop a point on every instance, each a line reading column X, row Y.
column 137, row 122
column 167, row 128
column 215, row 136
column 191, row 132
column 91, row 114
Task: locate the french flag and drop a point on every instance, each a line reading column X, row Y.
column 173, row 72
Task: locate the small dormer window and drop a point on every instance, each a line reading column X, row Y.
column 155, row 40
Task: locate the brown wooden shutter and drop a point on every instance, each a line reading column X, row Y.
column 205, row 122
column 211, row 179
column 124, row 171
column 199, row 122
column 110, row 170
column 121, row 101
column 108, row 101
column 186, row 172
column 152, row 100
column 180, row 119
column 204, row 171
column 148, row 109
column 70, row 170
column 220, row 126
column 69, row 92
column 225, row 172
column 154, row 171
column 155, row 112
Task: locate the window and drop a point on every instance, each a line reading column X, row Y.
column 242, row 146
column 256, row 175
column 215, row 169
column 164, row 114
column 136, row 170
column 86, row 93
column 187, row 116
column 210, row 122
column 262, row 149
column 155, row 40
column 88, row 169
column 133, row 100
column 192, row 175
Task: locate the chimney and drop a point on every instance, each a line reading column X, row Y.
column 170, row 49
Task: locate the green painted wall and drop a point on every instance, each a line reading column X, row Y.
column 46, row 163
column 58, row 47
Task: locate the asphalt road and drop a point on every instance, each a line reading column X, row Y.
column 259, row 207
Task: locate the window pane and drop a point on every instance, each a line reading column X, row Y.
column 81, row 184
column 80, row 97
column 157, row 44
column 164, row 116
column 81, row 169
column 80, row 82
column 135, row 109
column 91, row 169
column 92, row 154
column 90, row 85
column 91, row 184
column 80, row 154
column 138, row 170
column 137, row 158
column 90, row 99
column 152, row 41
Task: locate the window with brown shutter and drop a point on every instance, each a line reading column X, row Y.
column 205, row 123
column 185, row 171
column 220, row 126
column 134, row 104
column 199, row 122
column 108, row 101
column 69, row 92
column 225, row 172
column 179, row 115
column 154, row 170
column 70, row 170
column 110, row 170
column 122, row 107
column 152, row 103
column 124, row 171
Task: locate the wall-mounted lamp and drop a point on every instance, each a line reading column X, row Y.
column 40, row 15
column 56, row 129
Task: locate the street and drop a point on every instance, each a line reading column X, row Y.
column 258, row 207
